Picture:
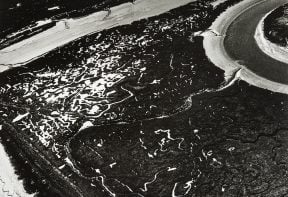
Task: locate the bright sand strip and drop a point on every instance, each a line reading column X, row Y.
column 40, row 44
column 9, row 183
column 217, row 2
column 215, row 51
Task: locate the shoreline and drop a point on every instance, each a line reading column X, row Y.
column 9, row 182
column 72, row 29
column 271, row 49
column 217, row 54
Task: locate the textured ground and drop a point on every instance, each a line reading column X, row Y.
column 231, row 143
column 161, row 123
column 121, row 75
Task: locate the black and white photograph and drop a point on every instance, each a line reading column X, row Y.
column 143, row 98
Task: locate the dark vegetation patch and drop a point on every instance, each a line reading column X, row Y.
column 148, row 70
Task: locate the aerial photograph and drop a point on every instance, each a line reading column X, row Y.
column 143, row 98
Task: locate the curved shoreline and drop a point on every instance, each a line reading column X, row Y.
column 73, row 29
column 217, row 54
column 271, row 49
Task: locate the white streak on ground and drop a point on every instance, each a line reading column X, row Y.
column 145, row 189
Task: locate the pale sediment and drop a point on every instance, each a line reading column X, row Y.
column 273, row 50
column 217, row 2
column 216, row 52
column 10, row 185
column 71, row 29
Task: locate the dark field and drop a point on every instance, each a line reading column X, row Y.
column 126, row 74
column 230, row 143
column 158, row 123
